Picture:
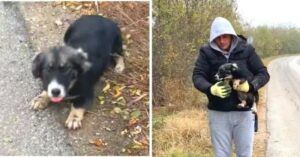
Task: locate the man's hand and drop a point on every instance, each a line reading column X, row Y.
column 220, row 89
column 244, row 87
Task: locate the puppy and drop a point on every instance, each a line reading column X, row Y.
column 70, row 72
column 231, row 74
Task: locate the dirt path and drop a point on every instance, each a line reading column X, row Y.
column 283, row 100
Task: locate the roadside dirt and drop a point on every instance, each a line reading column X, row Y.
column 260, row 138
column 118, row 123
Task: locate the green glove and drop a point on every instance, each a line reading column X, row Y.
column 220, row 89
column 244, row 87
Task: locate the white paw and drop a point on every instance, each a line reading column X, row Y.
column 119, row 68
column 254, row 108
column 40, row 102
column 120, row 65
column 75, row 118
column 73, row 123
column 241, row 105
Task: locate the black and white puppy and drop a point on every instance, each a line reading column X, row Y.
column 231, row 74
column 70, row 72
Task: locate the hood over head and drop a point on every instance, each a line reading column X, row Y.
column 221, row 26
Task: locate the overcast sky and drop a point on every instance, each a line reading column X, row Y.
column 270, row 12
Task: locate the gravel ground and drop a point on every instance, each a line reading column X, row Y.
column 22, row 131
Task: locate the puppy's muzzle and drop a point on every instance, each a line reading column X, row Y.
column 217, row 77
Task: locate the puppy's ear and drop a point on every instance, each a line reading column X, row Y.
column 37, row 65
column 81, row 60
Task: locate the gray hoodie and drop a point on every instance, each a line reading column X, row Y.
column 219, row 27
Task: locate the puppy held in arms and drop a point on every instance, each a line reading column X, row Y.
column 70, row 72
column 231, row 74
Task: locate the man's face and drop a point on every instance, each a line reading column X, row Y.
column 224, row 42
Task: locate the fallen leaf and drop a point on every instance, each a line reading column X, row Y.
column 120, row 101
column 128, row 36
column 117, row 110
column 138, row 92
column 137, row 145
column 107, row 129
column 135, row 114
column 107, row 87
column 124, row 132
column 120, row 98
column 101, row 100
column 137, row 130
column 133, row 121
column 117, row 93
column 78, row 7
column 145, row 142
column 97, row 142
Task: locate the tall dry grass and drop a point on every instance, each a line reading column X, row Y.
column 182, row 96
column 184, row 134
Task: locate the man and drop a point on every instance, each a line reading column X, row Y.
column 228, row 123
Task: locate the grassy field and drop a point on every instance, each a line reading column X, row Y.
column 182, row 130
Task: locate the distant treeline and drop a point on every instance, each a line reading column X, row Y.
column 182, row 26
column 272, row 41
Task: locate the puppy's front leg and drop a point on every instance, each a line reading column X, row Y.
column 40, row 102
column 75, row 118
column 242, row 104
column 120, row 65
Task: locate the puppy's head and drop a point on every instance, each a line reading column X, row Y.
column 59, row 69
column 226, row 71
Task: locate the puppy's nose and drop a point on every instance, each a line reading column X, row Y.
column 55, row 92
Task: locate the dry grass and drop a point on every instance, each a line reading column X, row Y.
column 183, row 134
column 180, row 96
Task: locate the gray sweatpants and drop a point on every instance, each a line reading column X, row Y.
column 227, row 128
